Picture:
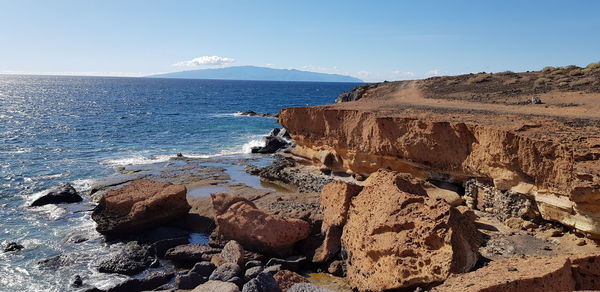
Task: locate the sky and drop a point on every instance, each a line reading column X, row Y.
column 372, row 40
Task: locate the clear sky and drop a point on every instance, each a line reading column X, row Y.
column 372, row 40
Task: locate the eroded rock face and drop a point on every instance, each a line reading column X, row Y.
column 140, row 205
column 398, row 237
column 537, row 274
column 238, row 218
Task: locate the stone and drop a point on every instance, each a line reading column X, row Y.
column 417, row 240
column 203, row 269
column 13, row 246
column 77, row 281
column 140, row 205
column 131, row 259
column 337, row 268
column 536, row 274
column 189, row 254
column 273, row 269
column 233, row 252
column 330, row 246
column 253, row 272
column 335, row 201
column 536, row 100
column 307, row 287
column 189, row 281
column 272, row 145
column 514, row 223
column 64, row 193
column 264, row 282
column 160, row 247
column 238, row 218
column 293, row 263
column 226, row 272
column 586, row 271
column 54, row 263
column 217, row 286
column 286, row 279
column 250, row 264
column 150, row 281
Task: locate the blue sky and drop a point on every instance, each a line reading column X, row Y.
column 372, row 40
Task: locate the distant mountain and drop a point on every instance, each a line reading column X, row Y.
column 257, row 73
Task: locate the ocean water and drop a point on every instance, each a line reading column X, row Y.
column 76, row 129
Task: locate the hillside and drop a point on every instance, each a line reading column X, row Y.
column 258, row 73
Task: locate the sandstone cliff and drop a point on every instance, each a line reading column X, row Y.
column 454, row 129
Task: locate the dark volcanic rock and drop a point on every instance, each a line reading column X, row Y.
column 77, row 281
column 283, row 170
column 54, row 262
column 226, row 272
column 64, row 193
column 355, row 94
column 160, row 247
column 13, row 246
column 307, row 287
column 264, row 282
column 292, row 263
column 130, row 260
column 277, row 139
column 151, row 281
column 189, row 254
column 255, row 114
column 253, row 272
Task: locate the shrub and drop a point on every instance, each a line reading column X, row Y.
column 541, row 81
column 548, row 69
column 583, row 81
column 577, row 72
column 511, row 81
column 479, row 78
column 593, row 66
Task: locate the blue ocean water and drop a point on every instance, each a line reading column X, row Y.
column 76, row 129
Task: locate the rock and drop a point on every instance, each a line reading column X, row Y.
column 189, row 281
column 160, row 247
column 77, row 281
column 272, row 269
column 64, row 193
column 528, row 225
column 581, row 242
column 516, row 274
column 536, row 100
column 417, row 240
column 54, row 263
column 217, row 286
column 514, row 223
column 255, row 114
column 203, row 269
column 330, row 246
column 252, row 272
column 251, row 264
column 226, row 272
column 335, row 200
column 189, row 254
column 293, row 263
column 272, row 144
column 552, row 233
column 140, row 205
column 131, row 259
column 504, row 204
column 233, row 252
column 13, row 246
column 586, row 271
column 238, row 218
column 264, row 282
column 337, row 268
column 286, row 279
column 151, row 281
column 307, row 287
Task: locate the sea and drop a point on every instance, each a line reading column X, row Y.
column 57, row 129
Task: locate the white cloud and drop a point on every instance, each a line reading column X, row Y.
column 205, row 61
column 434, row 72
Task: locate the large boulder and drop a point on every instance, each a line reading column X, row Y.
column 189, row 254
column 140, row 205
column 526, row 274
column 131, row 259
column 238, row 218
column 64, row 193
column 397, row 237
column 217, row 286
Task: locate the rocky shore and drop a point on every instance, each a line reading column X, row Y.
column 400, row 186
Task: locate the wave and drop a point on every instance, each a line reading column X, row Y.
column 140, row 159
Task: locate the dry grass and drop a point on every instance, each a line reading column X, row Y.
column 576, row 72
column 480, row 78
column 541, row 82
column 583, row 81
column 593, row 66
column 511, row 81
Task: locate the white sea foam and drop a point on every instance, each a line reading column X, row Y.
column 83, row 185
column 138, row 159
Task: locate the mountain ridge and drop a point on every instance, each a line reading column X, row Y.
column 258, row 74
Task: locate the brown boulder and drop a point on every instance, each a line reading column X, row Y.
column 526, row 274
column 335, row 201
column 398, row 237
column 586, row 271
column 233, row 252
column 286, row 279
column 140, row 205
column 238, row 218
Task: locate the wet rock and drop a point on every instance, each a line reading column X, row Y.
column 203, row 268
column 264, row 282
column 515, row 274
column 64, row 193
column 131, row 259
column 253, row 272
column 54, row 262
column 13, row 246
column 160, row 247
column 238, row 218
column 286, row 279
column 233, row 252
column 189, row 254
column 189, row 281
column 251, row 264
column 307, row 287
column 149, row 282
column 283, row 170
column 417, row 240
column 77, row 238
column 272, row 144
column 226, row 272
column 291, row 263
column 255, row 114
column 217, row 286
column 77, row 281
column 138, row 206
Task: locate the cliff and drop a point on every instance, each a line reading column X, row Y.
column 537, row 138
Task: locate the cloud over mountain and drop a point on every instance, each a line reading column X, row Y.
column 205, row 61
